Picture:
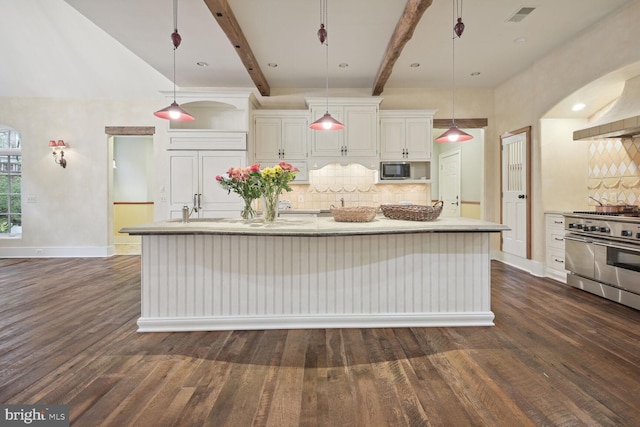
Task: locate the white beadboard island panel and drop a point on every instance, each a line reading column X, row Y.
column 225, row 281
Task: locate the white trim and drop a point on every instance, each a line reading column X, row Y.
column 193, row 323
column 560, row 276
column 57, row 252
column 530, row 266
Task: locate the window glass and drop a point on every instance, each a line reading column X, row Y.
column 10, row 183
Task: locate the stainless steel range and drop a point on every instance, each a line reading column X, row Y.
column 602, row 255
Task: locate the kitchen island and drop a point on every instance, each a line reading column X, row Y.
column 313, row 272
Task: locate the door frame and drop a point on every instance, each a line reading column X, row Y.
column 527, row 131
column 111, row 132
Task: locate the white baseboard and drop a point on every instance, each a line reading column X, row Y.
column 386, row 320
column 560, row 276
column 57, row 252
column 530, row 266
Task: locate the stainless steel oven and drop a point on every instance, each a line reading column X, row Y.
column 602, row 255
column 618, row 265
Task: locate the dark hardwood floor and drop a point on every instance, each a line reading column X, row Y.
column 556, row 357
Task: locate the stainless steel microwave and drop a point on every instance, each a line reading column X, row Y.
column 390, row 170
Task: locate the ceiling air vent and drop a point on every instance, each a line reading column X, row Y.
column 521, row 14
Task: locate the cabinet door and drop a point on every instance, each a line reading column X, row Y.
column 194, row 173
column 183, row 173
column 418, row 138
column 361, row 127
column 215, row 202
column 327, row 143
column 392, row 136
column 267, row 138
column 294, row 138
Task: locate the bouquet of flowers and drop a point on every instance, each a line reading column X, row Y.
column 272, row 181
column 245, row 182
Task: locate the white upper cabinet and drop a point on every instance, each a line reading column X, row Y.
column 406, row 135
column 280, row 135
column 359, row 138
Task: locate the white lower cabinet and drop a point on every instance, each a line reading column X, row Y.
column 193, row 183
column 554, row 265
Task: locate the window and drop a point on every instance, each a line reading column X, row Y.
column 10, row 183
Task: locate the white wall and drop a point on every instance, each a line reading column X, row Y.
column 523, row 101
column 71, row 215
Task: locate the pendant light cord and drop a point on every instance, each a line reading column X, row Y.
column 324, row 14
column 175, row 29
column 453, row 61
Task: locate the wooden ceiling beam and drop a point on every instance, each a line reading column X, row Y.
column 222, row 12
column 412, row 14
column 461, row 123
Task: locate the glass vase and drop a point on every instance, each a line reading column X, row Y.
column 248, row 213
column 270, row 207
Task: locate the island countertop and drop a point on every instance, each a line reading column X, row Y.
column 312, row 226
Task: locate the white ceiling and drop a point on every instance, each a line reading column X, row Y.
column 284, row 32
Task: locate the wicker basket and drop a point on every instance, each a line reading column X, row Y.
column 412, row 212
column 354, row 214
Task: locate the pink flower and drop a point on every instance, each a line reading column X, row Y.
column 285, row 166
column 218, row 178
column 255, row 168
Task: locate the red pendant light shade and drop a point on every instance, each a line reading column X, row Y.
column 174, row 111
column 326, row 122
column 454, row 135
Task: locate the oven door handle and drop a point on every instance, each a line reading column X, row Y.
column 617, row 246
column 578, row 239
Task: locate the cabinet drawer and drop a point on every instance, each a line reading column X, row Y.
column 555, row 221
column 555, row 239
column 555, row 260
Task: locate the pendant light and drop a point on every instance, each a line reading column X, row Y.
column 174, row 111
column 325, row 122
column 453, row 134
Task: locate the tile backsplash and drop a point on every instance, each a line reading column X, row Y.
column 614, row 171
column 354, row 183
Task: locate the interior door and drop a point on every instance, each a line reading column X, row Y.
column 515, row 172
column 449, row 182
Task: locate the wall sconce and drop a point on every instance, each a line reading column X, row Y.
column 55, row 146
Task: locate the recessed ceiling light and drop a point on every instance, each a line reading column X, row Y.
column 475, row 73
column 343, row 65
column 578, row 106
column 202, row 64
column 414, row 65
column 520, row 40
column 272, row 65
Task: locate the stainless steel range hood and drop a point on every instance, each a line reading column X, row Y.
column 626, row 128
column 622, row 120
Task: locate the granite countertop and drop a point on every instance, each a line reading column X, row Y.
column 312, row 226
